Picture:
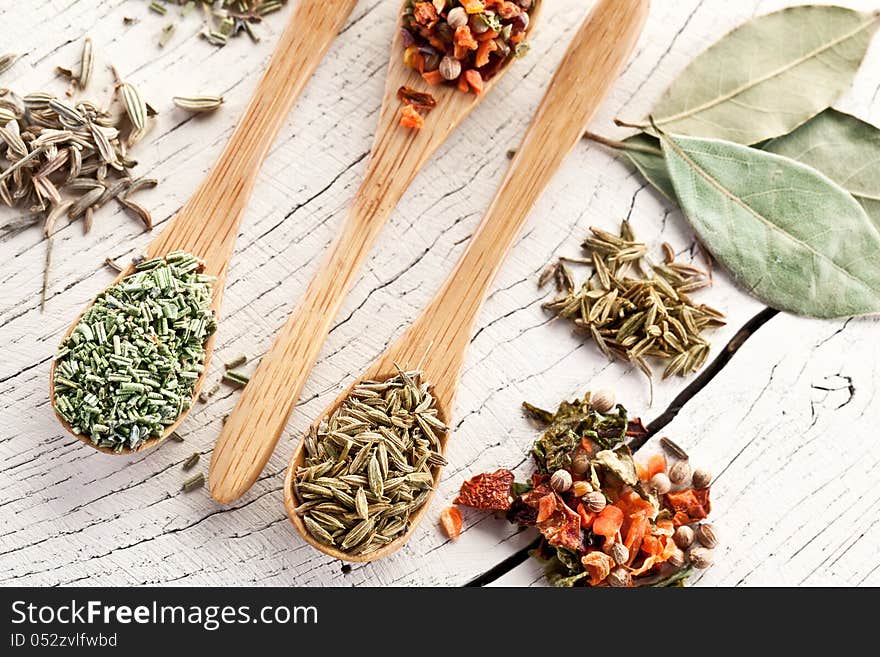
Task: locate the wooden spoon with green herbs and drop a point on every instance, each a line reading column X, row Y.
column 205, row 228
column 436, row 343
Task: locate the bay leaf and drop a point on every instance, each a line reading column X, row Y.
column 768, row 76
column 787, row 233
column 844, row 148
column 646, row 155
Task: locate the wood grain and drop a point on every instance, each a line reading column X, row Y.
column 437, row 341
column 253, row 428
column 208, row 224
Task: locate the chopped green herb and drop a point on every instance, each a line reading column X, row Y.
column 128, row 369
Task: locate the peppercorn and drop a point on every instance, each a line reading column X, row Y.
column 676, row 559
column 683, row 537
column 701, row 478
column 660, row 484
column 560, row 481
column 450, row 68
column 602, row 401
column 706, row 535
column 618, row 577
column 620, row 553
column 594, row 501
column 700, row 557
column 457, row 17
column 679, row 472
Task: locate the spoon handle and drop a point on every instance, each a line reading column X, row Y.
column 591, row 65
column 207, row 225
column 252, row 430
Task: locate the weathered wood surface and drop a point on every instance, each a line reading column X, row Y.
column 785, row 423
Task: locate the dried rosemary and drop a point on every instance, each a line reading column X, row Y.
column 634, row 310
column 128, row 369
column 369, row 466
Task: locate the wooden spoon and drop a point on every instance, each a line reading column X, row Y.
column 207, row 226
column 439, row 337
column 256, row 423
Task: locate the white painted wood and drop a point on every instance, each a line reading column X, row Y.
column 70, row 515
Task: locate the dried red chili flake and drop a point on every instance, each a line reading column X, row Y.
column 418, row 99
column 489, row 492
column 692, row 503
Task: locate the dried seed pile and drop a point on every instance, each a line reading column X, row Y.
column 128, row 369
column 605, row 518
column 368, row 466
column 223, row 19
column 634, row 310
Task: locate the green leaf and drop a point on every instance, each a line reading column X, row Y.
column 769, row 75
column 845, row 149
column 787, row 233
column 645, row 153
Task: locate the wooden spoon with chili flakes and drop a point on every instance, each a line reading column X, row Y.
column 207, row 226
column 253, row 428
column 438, row 339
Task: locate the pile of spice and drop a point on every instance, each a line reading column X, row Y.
column 129, row 368
column 632, row 309
column 223, row 19
column 605, row 519
column 460, row 42
column 60, row 156
column 369, row 465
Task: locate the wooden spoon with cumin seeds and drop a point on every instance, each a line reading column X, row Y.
column 207, row 226
column 439, row 337
column 252, row 430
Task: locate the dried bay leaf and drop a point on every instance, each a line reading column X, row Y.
column 845, row 149
column 768, row 76
column 786, row 232
column 645, row 154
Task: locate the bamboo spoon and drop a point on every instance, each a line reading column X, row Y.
column 256, row 423
column 207, row 226
column 440, row 335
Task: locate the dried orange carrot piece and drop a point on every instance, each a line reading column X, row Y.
column 483, row 51
column 465, row 38
column 473, row 6
column 463, row 84
column 635, row 535
column 410, row 118
column 474, row 80
column 546, row 507
column 451, row 520
column 488, row 35
column 655, row 465
column 433, row 77
column 598, row 565
column 608, row 522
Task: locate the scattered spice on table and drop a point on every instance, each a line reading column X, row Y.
column 370, row 465
column 70, row 157
column 222, row 19
column 461, row 43
column 193, row 483
column 633, row 309
column 128, row 369
column 606, row 519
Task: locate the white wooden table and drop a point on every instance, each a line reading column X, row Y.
column 786, row 424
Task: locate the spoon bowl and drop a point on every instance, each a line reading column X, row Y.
column 255, row 425
column 207, row 226
column 437, row 340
